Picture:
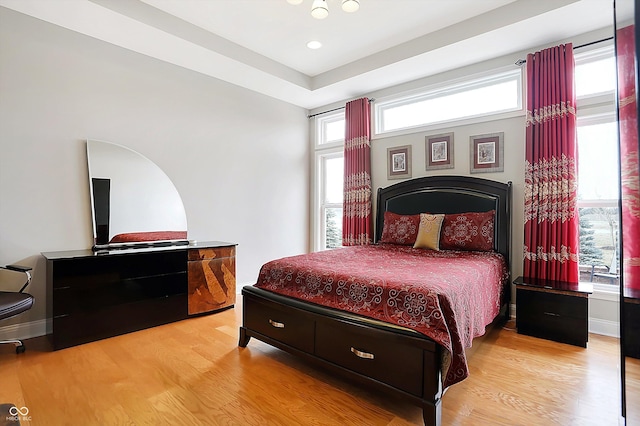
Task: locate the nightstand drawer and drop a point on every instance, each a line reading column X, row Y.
column 555, row 316
column 538, row 303
column 560, row 329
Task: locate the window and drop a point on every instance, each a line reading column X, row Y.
column 329, row 178
column 480, row 97
column 595, row 73
column 598, row 168
column 332, row 170
column 330, row 129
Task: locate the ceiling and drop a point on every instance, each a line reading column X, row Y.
column 261, row 44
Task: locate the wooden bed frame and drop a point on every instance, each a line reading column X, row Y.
column 406, row 362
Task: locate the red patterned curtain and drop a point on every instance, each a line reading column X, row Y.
column 551, row 232
column 356, row 213
column 628, row 116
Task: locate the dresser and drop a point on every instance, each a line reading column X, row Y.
column 93, row 295
column 631, row 317
column 553, row 310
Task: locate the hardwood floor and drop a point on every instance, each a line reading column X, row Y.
column 193, row 373
column 632, row 375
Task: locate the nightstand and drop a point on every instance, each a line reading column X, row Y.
column 553, row 310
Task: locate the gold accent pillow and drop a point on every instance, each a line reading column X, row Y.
column 429, row 231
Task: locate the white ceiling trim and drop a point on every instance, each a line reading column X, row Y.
column 142, row 28
column 99, row 22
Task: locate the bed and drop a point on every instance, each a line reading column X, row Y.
column 353, row 310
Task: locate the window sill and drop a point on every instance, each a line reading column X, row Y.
column 605, row 292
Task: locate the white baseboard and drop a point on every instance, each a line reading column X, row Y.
column 604, row 327
column 25, row 330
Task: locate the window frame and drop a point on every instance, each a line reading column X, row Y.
column 322, row 122
column 323, row 204
column 450, row 87
column 586, row 120
column 324, row 150
column 592, row 109
column 595, row 55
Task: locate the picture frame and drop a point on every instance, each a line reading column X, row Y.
column 487, row 153
column 399, row 162
column 439, row 151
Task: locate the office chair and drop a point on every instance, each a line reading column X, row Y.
column 13, row 303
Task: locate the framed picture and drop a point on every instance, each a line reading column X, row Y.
column 487, row 153
column 399, row 162
column 439, row 151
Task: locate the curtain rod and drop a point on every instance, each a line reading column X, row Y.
column 520, row 62
column 332, row 110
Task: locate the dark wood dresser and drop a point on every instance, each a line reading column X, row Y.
column 93, row 295
column 553, row 310
column 632, row 323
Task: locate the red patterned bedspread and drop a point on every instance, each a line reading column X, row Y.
column 137, row 237
column 449, row 296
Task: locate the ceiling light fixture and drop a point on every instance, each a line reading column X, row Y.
column 350, row 5
column 320, row 8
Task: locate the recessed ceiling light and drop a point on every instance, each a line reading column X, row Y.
column 350, row 5
column 314, row 44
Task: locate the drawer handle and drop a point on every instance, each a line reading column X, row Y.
column 361, row 354
column 552, row 314
column 276, row 324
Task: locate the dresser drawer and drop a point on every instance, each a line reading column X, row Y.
column 632, row 329
column 97, row 294
column 377, row 354
column 95, row 324
column 278, row 322
column 116, row 268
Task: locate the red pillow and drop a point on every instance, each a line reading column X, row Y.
column 468, row 231
column 400, row 229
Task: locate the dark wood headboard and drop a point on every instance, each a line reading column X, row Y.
column 450, row 194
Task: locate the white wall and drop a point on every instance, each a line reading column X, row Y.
column 239, row 160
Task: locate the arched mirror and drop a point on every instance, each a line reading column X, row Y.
column 626, row 60
column 133, row 202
